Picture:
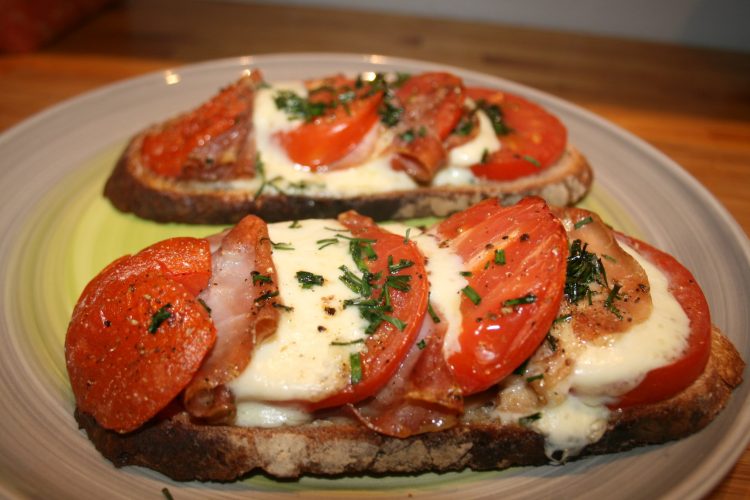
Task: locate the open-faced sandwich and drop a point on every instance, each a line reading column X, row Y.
column 391, row 146
column 503, row 335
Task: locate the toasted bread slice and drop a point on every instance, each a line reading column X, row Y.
column 132, row 187
column 184, row 450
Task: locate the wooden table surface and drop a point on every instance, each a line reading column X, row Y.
column 692, row 104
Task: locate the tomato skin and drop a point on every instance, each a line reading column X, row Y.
column 662, row 383
column 537, row 139
column 166, row 151
column 122, row 367
column 323, row 141
column 385, row 348
column 497, row 337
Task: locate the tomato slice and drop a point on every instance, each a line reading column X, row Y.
column 166, row 151
column 517, row 259
column 137, row 335
column 388, row 345
column 328, row 138
column 663, row 383
column 536, row 139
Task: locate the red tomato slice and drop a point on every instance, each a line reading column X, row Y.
column 137, row 336
column 384, row 349
column 329, row 138
column 517, row 259
column 663, row 383
column 166, row 150
column 536, row 140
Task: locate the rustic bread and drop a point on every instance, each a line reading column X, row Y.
column 132, row 187
column 333, row 446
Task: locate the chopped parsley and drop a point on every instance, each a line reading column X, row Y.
column 583, row 269
column 495, row 115
column 326, row 242
column 159, row 317
column 529, row 419
column 532, row 160
column 281, row 246
column 308, row 280
column 299, row 108
column 402, row 264
column 260, row 278
column 526, row 299
column 422, row 344
column 350, row 342
column 611, row 297
column 472, row 295
column 432, row 313
column 266, row 296
column 355, row 362
column 500, row 256
column 583, row 222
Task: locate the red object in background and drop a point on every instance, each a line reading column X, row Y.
column 26, row 25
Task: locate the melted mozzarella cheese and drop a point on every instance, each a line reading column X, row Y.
column 371, row 176
column 570, row 426
column 602, row 372
column 460, row 158
column 624, row 361
column 444, row 270
column 304, row 359
column 257, row 414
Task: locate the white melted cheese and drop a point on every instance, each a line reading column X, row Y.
column 626, row 359
column 301, row 360
column 460, row 158
column 603, row 372
column 444, row 270
column 373, row 175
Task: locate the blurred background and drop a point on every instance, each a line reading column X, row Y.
column 29, row 24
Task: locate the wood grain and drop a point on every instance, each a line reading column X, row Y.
column 692, row 104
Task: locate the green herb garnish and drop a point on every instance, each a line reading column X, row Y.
column 583, row 222
column 500, row 256
column 432, row 313
column 532, row 160
column 526, row 299
column 355, row 362
column 471, row 294
column 159, row 317
column 308, row 280
column 529, row 419
column 326, row 242
column 495, row 114
column 583, row 269
column 266, row 296
column 260, row 278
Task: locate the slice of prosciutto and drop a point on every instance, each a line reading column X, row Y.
column 240, row 296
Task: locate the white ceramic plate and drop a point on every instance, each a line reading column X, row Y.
column 58, row 232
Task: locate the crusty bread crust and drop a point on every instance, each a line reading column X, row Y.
column 133, row 188
column 186, row 451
